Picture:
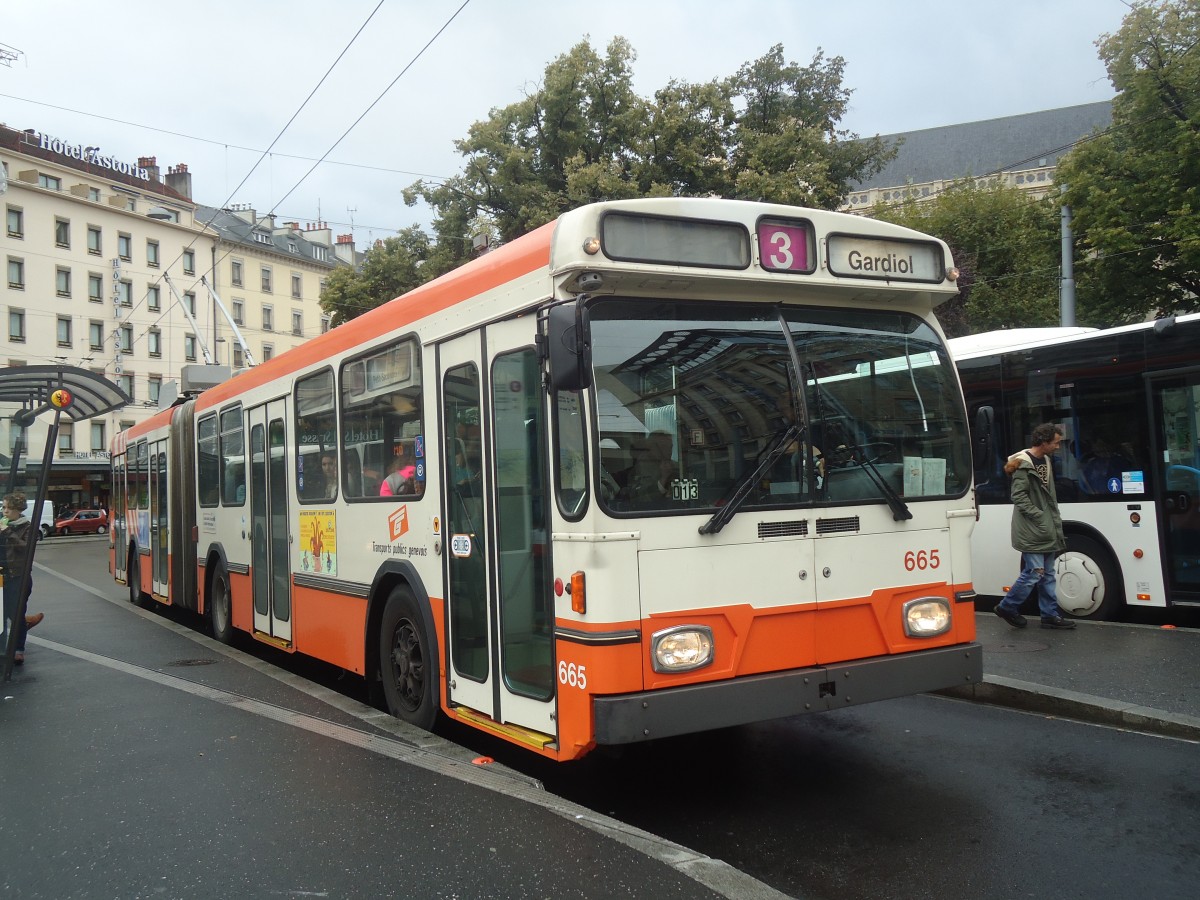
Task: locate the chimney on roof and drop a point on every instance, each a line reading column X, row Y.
column 150, row 164
column 345, row 239
column 179, row 179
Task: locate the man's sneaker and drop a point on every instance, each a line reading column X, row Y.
column 1016, row 620
column 1057, row 622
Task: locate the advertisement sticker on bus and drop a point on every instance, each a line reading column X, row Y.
column 318, row 542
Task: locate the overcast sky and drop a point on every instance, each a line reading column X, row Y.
column 212, row 83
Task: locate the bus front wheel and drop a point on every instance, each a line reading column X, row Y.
column 1089, row 585
column 221, row 607
column 407, row 661
column 133, row 574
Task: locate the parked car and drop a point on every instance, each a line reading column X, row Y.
column 83, row 521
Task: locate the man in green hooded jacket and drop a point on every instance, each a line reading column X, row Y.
column 1037, row 530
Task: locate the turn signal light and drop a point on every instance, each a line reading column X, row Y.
column 578, row 595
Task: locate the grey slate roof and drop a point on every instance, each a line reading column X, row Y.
column 980, row 148
column 234, row 228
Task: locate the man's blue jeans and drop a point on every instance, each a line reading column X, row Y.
column 1037, row 570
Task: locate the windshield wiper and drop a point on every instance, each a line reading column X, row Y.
column 900, row 510
column 741, row 489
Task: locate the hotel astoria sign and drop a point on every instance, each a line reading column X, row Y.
column 91, row 156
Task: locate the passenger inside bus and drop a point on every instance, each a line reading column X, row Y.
column 654, row 466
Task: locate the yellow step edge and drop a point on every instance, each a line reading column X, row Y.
column 523, row 735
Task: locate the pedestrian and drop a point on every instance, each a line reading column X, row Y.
column 1037, row 529
column 15, row 535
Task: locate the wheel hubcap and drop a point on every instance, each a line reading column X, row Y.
column 408, row 665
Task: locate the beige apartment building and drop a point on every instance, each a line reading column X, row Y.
column 109, row 264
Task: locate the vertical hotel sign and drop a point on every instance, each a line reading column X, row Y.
column 116, row 297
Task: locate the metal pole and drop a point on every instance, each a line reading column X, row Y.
column 26, row 571
column 1066, row 296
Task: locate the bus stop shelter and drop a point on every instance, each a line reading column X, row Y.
column 57, row 392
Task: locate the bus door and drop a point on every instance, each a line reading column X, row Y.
column 1176, row 400
column 269, row 558
column 493, row 460
column 160, row 538
column 118, row 526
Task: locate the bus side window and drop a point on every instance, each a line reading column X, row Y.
column 354, row 485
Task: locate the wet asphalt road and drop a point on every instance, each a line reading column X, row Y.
column 921, row 797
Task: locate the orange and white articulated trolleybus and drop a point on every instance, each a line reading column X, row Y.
column 657, row 467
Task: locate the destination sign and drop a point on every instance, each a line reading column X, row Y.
column 854, row 256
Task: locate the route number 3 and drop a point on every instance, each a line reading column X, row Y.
column 572, row 675
column 921, row 559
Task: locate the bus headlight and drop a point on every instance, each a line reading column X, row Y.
column 682, row 648
column 926, row 617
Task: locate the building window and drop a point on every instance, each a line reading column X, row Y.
column 235, row 273
column 152, row 254
column 319, row 253
column 266, row 279
column 296, row 286
column 62, row 282
column 16, row 324
column 238, row 358
column 125, row 336
column 125, row 383
column 268, row 351
column 268, row 318
column 153, row 298
column 62, row 233
column 49, row 181
column 95, row 287
column 93, row 239
column 239, row 311
column 125, row 292
column 94, row 194
column 126, row 424
column 16, row 222
column 189, row 262
column 64, row 331
column 297, row 323
column 99, row 439
column 66, row 439
column 324, row 324
column 189, row 347
column 154, row 342
column 96, row 335
column 16, row 274
column 155, row 388
column 124, row 246
column 189, row 300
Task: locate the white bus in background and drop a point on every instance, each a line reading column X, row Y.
column 1128, row 473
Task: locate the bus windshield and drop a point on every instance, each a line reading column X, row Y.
column 700, row 402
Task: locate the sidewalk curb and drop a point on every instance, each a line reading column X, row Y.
column 1039, row 698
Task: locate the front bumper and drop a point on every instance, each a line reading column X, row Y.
column 644, row 716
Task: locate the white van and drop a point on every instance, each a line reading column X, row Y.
column 46, row 526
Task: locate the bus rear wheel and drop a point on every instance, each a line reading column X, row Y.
column 133, row 574
column 221, row 606
column 407, row 661
column 1089, row 585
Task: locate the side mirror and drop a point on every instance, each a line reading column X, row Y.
column 568, row 348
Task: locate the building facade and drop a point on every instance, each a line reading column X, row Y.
column 1019, row 151
column 108, row 267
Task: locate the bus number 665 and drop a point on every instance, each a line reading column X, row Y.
column 921, row 559
column 572, row 675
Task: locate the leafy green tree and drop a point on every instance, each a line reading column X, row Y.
column 768, row 132
column 391, row 267
column 1135, row 189
column 1006, row 246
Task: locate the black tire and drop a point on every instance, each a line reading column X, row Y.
column 1088, row 580
column 220, row 606
column 407, row 661
column 47, row 531
column 133, row 576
